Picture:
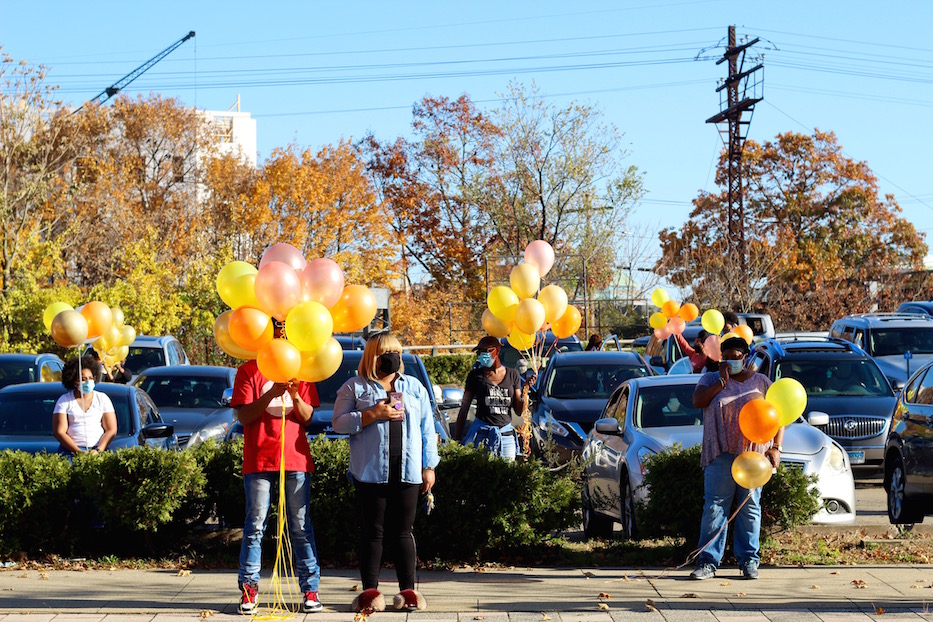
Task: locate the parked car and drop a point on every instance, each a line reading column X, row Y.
column 646, row 416
column 327, row 393
column 26, row 417
column 662, row 354
column 908, row 456
column 899, row 342
column 192, row 398
column 350, row 342
column 510, row 357
column 570, row 395
column 922, row 307
column 20, row 368
column 841, row 381
column 151, row 351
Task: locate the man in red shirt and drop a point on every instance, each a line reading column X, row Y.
column 268, row 410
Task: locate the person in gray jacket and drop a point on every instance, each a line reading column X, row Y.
column 393, row 452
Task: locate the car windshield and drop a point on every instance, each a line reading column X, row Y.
column 897, row 341
column 658, row 407
column 327, row 389
column 16, row 372
column 184, row 392
column 144, row 358
column 22, row 414
column 830, row 377
column 575, row 382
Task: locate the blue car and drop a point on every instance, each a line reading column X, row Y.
column 26, row 418
column 20, row 368
column 571, row 393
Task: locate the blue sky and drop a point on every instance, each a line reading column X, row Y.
column 312, row 73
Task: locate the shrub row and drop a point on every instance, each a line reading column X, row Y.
column 449, row 368
column 145, row 501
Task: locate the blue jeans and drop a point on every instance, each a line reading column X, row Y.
column 718, row 491
column 259, row 490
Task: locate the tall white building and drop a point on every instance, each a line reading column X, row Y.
column 235, row 132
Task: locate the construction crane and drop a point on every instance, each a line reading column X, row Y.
column 123, row 82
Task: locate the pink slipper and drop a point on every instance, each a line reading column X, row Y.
column 369, row 600
column 409, row 599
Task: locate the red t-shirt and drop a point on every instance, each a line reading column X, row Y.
column 262, row 440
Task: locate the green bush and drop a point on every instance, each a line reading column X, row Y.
column 674, row 481
column 449, row 368
column 37, row 500
column 138, row 489
column 223, row 495
column 334, row 510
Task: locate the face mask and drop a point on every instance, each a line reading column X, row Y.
column 735, row 367
column 87, row 386
column 484, row 359
column 389, row 363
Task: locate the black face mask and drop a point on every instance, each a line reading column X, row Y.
column 389, row 363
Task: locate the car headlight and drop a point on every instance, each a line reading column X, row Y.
column 204, row 434
column 553, row 426
column 643, row 454
column 837, row 459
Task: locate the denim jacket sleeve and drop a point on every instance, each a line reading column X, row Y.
column 429, row 456
column 347, row 418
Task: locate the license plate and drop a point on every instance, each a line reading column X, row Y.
column 857, row 457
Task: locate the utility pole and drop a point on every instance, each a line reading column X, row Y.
column 738, row 94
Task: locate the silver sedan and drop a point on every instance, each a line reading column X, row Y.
column 645, row 416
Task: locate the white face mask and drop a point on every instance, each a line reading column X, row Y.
column 735, row 367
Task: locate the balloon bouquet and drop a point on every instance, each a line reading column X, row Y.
column 525, row 311
column 673, row 318
column 309, row 297
column 95, row 323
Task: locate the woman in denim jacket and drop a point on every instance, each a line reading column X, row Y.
column 393, row 452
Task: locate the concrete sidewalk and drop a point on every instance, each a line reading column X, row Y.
column 785, row 594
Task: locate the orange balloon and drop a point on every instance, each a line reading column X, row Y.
column 226, row 342
column 99, row 318
column 69, row 328
column 279, row 360
column 250, row 328
column 355, row 309
column 759, row 421
column 744, row 332
column 670, row 308
column 568, row 323
column 689, row 312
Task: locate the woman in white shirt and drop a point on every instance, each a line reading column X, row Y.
column 83, row 419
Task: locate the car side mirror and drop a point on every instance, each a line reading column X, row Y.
column 608, row 426
column 817, row 418
column 158, row 430
column 451, row 397
column 227, row 397
column 656, row 361
column 896, row 384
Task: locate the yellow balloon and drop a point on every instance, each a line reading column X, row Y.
column 713, row 321
column 118, row 317
column 111, row 338
column 503, row 303
column 122, row 353
column 659, row 297
column 69, row 328
column 790, row 399
column 309, row 325
column 751, row 469
column 525, row 280
column 52, row 310
column 657, row 320
column 529, row 316
column 109, row 360
column 494, row 326
column 226, row 342
column 322, row 364
column 554, row 299
column 235, row 284
column 127, row 335
column 520, row 340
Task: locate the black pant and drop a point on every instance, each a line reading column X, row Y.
column 387, row 514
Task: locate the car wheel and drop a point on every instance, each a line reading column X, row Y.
column 595, row 525
column 901, row 509
column 629, row 530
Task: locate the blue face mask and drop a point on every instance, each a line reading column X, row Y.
column 484, row 359
column 735, row 367
column 87, row 386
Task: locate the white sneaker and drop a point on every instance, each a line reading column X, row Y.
column 311, row 603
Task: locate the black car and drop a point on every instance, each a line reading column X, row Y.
column 20, row 368
column 843, row 384
column 571, row 393
column 908, row 456
column 192, row 398
column 26, row 417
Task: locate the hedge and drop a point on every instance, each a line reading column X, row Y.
column 449, row 368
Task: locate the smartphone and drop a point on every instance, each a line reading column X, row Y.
column 396, row 396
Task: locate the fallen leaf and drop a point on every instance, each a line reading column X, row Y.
column 604, row 595
column 603, row 607
column 545, row 616
column 814, row 587
column 690, row 595
column 915, row 587
column 355, row 587
column 44, row 576
column 25, row 575
column 740, row 594
column 834, row 572
column 588, row 574
column 650, row 608
column 879, row 611
column 725, row 583
column 859, row 584
column 479, row 617
column 184, row 573
column 649, row 602
column 207, row 613
column 361, row 616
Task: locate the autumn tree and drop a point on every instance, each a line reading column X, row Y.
column 560, row 177
column 818, row 235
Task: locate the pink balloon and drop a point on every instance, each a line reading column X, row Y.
column 540, row 254
column 278, row 289
column 712, row 349
column 677, row 325
column 663, row 333
column 322, row 281
column 284, row 253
